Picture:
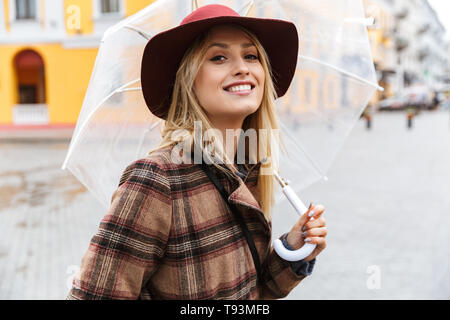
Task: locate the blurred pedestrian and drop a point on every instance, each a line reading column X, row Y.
column 410, row 114
column 436, row 100
column 366, row 114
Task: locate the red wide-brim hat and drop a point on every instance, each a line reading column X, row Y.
column 163, row 53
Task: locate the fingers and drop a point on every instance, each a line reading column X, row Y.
column 318, row 210
column 313, row 213
column 304, row 218
column 321, row 242
column 312, row 218
column 316, row 232
column 319, row 223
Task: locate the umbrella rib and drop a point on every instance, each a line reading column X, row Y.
column 156, row 5
column 154, row 125
column 351, row 75
column 248, row 6
column 138, row 30
column 130, row 89
column 364, row 21
column 75, row 139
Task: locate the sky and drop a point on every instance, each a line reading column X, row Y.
column 442, row 7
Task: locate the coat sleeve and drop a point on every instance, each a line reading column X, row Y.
column 279, row 276
column 131, row 238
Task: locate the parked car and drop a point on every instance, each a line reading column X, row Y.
column 420, row 97
column 391, row 104
column 414, row 97
column 444, row 97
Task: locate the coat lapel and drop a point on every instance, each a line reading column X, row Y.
column 246, row 190
column 243, row 192
column 246, row 196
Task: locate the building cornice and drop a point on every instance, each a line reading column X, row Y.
column 69, row 42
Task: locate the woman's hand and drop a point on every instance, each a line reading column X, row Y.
column 309, row 230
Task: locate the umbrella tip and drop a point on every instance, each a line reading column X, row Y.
column 246, row 9
column 194, row 5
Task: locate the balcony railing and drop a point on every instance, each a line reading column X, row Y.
column 30, row 114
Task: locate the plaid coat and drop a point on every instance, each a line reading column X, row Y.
column 170, row 235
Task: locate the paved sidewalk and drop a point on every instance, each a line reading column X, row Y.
column 33, row 134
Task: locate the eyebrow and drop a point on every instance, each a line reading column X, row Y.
column 224, row 45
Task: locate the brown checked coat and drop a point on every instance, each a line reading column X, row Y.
column 170, row 235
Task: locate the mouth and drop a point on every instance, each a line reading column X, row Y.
column 240, row 90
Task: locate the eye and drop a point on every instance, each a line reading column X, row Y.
column 252, row 55
column 214, row 59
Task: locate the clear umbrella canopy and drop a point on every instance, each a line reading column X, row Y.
column 334, row 80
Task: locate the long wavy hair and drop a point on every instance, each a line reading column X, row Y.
column 185, row 110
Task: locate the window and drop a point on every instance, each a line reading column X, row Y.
column 30, row 74
column 27, row 94
column 105, row 13
column 110, row 6
column 25, row 9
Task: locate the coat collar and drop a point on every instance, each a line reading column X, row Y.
column 243, row 189
column 242, row 185
column 246, row 196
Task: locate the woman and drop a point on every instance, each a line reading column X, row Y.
column 184, row 230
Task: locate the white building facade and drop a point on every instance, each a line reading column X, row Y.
column 420, row 52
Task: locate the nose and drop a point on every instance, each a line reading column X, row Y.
column 240, row 67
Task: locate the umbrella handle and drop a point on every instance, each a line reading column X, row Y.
column 307, row 248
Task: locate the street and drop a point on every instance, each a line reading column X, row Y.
column 387, row 207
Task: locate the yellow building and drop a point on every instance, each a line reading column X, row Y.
column 382, row 45
column 47, row 53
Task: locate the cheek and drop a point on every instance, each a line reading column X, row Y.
column 261, row 81
column 207, row 85
column 260, row 75
column 201, row 88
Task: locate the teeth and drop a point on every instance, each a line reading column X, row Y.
column 240, row 88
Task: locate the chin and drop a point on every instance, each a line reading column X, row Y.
column 245, row 111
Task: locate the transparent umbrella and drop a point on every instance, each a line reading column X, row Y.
column 334, row 80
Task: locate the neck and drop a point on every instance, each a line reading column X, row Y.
column 230, row 138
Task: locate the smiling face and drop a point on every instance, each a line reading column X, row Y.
column 230, row 82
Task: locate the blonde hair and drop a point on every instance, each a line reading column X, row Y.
column 185, row 109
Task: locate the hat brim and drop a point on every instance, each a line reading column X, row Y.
column 163, row 53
